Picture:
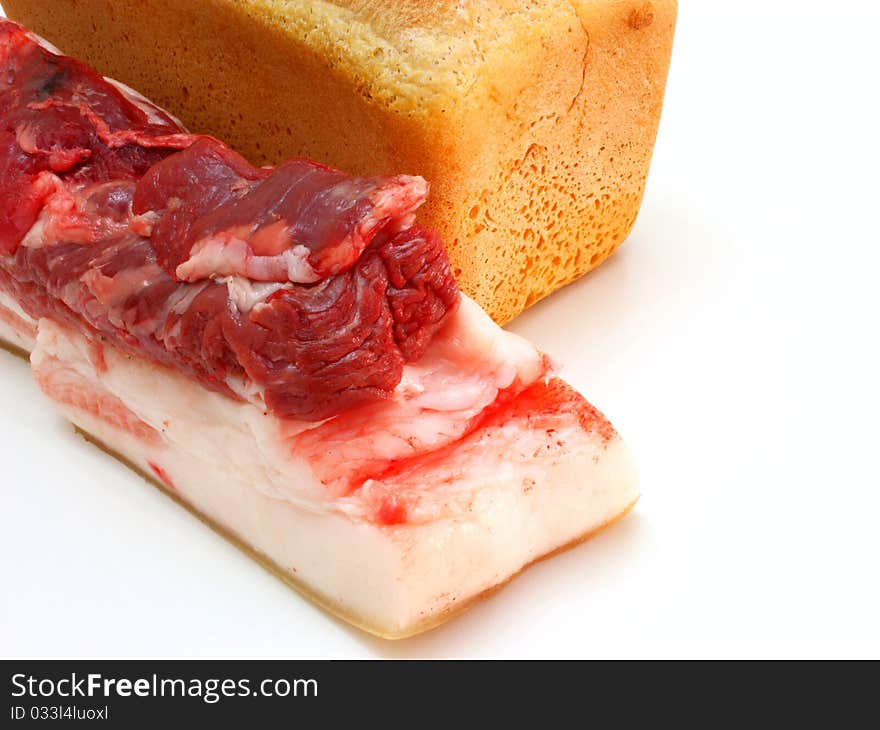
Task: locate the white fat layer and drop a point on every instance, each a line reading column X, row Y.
column 36, row 235
column 226, row 255
column 472, row 337
column 299, row 270
column 219, row 457
column 246, row 294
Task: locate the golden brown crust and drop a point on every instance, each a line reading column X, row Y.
column 534, row 121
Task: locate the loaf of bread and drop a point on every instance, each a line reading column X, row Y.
column 534, row 120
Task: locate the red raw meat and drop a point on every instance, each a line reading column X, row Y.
column 308, row 286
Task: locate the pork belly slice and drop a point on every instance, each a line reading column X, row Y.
column 286, row 352
column 411, row 545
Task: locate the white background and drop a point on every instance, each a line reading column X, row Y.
column 733, row 341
